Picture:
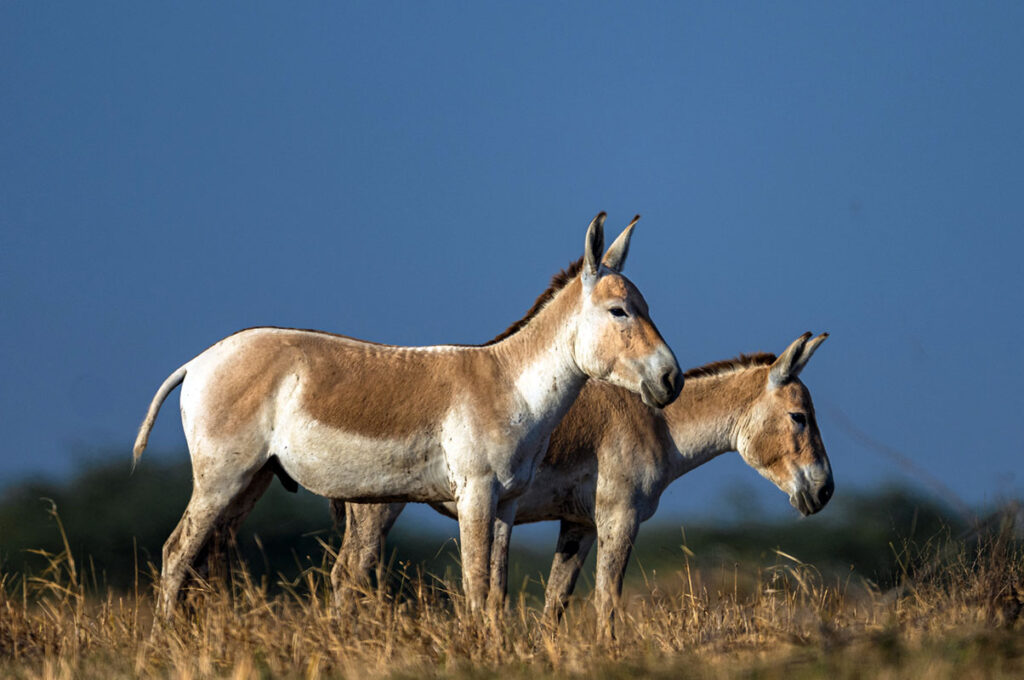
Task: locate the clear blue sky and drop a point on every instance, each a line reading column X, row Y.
column 413, row 173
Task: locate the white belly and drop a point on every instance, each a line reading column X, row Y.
column 351, row 466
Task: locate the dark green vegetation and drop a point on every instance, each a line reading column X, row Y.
column 115, row 519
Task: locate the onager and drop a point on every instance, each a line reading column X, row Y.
column 612, row 457
column 360, row 421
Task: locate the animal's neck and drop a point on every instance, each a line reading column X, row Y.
column 539, row 357
column 705, row 420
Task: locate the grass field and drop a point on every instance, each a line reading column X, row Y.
column 958, row 617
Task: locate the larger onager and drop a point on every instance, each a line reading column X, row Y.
column 359, row 421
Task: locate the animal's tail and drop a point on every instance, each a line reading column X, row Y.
column 173, row 380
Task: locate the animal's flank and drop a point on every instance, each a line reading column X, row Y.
column 376, row 391
column 558, row 282
column 726, row 365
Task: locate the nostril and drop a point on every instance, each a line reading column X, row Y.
column 670, row 380
column 826, row 492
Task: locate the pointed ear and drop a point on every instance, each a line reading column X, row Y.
column 806, row 354
column 782, row 370
column 616, row 255
column 594, row 246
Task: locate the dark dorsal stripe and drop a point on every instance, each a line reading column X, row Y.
column 742, row 361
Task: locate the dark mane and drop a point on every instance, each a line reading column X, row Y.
column 742, row 361
column 558, row 282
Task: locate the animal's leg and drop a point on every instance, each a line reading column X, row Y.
column 212, row 495
column 226, row 529
column 366, row 532
column 338, row 571
column 574, row 542
column 503, row 522
column 366, row 529
column 477, row 503
column 616, row 532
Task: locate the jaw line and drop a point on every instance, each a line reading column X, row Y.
column 645, row 395
column 799, row 501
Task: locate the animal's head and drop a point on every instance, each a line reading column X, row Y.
column 779, row 437
column 615, row 338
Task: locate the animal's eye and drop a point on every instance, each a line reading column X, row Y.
column 799, row 418
column 617, row 311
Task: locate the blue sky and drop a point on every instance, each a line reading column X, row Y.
column 413, row 173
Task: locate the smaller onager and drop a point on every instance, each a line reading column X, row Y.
column 360, row 421
column 612, row 457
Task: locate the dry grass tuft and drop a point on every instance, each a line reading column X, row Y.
column 961, row 615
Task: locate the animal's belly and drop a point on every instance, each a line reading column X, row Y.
column 558, row 494
column 351, row 466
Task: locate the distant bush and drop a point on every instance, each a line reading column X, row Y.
column 114, row 518
column 877, row 535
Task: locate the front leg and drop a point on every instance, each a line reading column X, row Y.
column 477, row 503
column 574, row 542
column 503, row 522
column 616, row 531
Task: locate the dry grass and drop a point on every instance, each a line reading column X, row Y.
column 958, row 620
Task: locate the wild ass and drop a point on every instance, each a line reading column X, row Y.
column 612, row 456
column 359, row 421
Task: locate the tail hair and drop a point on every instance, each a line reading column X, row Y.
column 172, row 381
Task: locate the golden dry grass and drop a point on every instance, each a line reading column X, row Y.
column 959, row 620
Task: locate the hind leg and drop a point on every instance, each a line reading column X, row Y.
column 212, row 560
column 213, row 494
column 366, row 530
column 574, row 542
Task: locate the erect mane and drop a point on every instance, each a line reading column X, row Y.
column 558, row 282
column 742, row 361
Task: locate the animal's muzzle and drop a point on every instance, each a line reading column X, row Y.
column 665, row 391
column 809, row 502
column 672, row 380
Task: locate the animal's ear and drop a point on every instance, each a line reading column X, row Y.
column 805, row 355
column 593, row 247
column 616, row 255
column 781, row 371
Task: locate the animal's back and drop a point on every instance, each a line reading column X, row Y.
column 343, row 383
column 345, row 418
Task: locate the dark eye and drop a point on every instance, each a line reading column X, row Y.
column 617, row 311
column 799, row 418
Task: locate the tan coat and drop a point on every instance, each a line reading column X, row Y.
column 612, row 456
column 353, row 420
